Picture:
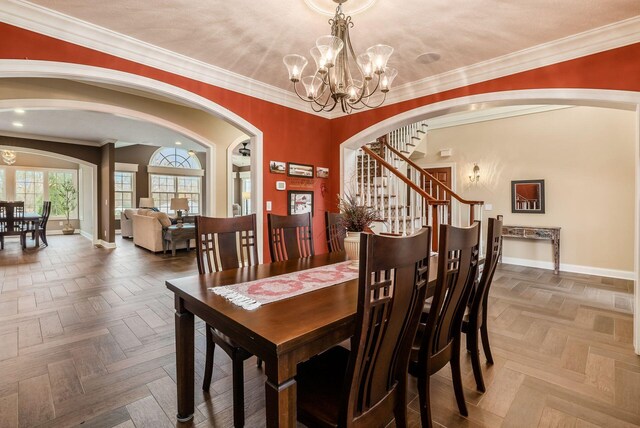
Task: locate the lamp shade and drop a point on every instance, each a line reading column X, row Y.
column 146, row 203
column 179, row 204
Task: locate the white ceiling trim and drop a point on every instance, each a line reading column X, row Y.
column 54, row 24
column 60, row 26
column 600, row 39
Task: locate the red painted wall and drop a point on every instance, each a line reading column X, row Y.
column 289, row 135
column 617, row 69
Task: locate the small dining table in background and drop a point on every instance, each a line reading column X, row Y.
column 282, row 333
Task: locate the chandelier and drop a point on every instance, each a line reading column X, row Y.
column 9, row 157
column 333, row 81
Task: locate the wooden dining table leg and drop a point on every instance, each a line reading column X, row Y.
column 280, row 393
column 184, row 361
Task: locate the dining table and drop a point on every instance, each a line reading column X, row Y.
column 32, row 220
column 282, row 333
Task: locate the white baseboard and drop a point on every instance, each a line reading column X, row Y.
column 587, row 270
column 105, row 244
column 87, row 235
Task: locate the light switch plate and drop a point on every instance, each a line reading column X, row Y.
column 268, row 205
column 488, row 207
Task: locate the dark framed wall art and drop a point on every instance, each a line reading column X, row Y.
column 300, row 202
column 527, row 196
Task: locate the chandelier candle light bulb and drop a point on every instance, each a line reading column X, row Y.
column 341, row 77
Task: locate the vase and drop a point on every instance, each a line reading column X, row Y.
column 352, row 246
column 68, row 229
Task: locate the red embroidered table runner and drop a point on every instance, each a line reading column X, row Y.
column 253, row 294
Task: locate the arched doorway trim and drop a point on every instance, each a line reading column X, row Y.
column 94, row 186
column 59, row 70
column 625, row 100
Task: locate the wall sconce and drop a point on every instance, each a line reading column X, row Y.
column 475, row 177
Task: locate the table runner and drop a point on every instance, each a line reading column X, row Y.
column 253, row 294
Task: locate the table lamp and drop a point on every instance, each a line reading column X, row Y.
column 178, row 205
column 146, row 203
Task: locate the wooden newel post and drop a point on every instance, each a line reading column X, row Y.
column 471, row 214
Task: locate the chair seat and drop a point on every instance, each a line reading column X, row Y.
column 225, row 341
column 320, row 381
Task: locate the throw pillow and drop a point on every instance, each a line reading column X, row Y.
column 163, row 218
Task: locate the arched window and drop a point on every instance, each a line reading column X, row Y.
column 175, row 158
column 166, row 181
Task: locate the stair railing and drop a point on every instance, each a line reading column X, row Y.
column 402, row 203
column 434, row 187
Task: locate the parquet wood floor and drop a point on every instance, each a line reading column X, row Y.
column 86, row 337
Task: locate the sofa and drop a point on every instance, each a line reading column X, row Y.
column 146, row 227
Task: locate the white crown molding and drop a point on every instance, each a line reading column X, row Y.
column 599, row 39
column 54, row 24
column 63, row 27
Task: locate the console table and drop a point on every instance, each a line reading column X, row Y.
column 538, row 233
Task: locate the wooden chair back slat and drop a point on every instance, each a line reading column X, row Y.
column 11, row 218
column 392, row 288
column 457, row 270
column 480, row 297
column 335, row 231
column 226, row 243
column 290, row 237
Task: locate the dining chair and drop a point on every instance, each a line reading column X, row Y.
column 336, row 232
column 44, row 219
column 12, row 221
column 368, row 385
column 290, row 236
column 438, row 339
column 475, row 320
column 221, row 244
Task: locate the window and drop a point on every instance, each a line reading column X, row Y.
column 124, row 191
column 30, row 189
column 165, row 187
column 3, row 192
column 174, row 179
column 56, row 208
column 174, row 158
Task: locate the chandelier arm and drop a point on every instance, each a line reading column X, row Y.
column 295, row 89
column 326, row 103
column 381, row 102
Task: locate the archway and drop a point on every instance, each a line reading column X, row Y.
column 625, row 100
column 94, row 186
column 47, row 69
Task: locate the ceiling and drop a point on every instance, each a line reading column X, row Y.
column 250, row 37
column 89, row 127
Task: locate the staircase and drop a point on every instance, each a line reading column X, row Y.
column 405, row 196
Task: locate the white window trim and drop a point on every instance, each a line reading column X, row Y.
column 126, row 167
column 169, row 170
column 10, row 185
column 133, row 185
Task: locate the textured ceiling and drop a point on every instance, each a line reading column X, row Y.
column 250, row 37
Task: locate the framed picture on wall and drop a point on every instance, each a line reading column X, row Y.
column 300, row 202
column 527, row 196
column 322, row 172
column 300, row 170
column 276, row 167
